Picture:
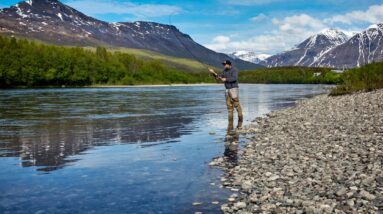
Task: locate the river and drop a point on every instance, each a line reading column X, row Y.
column 122, row 150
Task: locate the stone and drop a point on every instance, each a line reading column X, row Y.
column 240, row 205
column 273, row 178
column 350, row 202
column 247, row 185
column 231, row 199
column 366, row 195
column 342, row 191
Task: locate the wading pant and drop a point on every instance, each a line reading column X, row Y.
column 232, row 101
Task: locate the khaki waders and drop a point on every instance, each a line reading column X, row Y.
column 232, row 101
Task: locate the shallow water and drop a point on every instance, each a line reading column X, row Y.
column 121, row 150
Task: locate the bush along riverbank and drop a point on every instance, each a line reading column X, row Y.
column 290, row 75
column 322, row 156
column 366, row 78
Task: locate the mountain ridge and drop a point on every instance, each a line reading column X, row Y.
column 332, row 48
column 56, row 23
column 307, row 52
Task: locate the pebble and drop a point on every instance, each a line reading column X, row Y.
column 240, row 205
column 367, row 195
column 231, row 199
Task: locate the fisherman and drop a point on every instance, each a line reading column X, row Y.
column 230, row 77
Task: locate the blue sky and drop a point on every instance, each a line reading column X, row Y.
column 262, row 26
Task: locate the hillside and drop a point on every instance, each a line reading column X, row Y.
column 56, row 23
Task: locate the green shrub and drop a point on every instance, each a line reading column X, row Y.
column 366, row 78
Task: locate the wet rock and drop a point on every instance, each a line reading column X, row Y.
column 231, row 199
column 240, row 205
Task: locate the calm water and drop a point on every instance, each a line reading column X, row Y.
column 121, row 150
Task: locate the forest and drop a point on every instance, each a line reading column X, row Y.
column 25, row 63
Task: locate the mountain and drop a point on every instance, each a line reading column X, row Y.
column 249, row 56
column 54, row 22
column 363, row 48
column 309, row 51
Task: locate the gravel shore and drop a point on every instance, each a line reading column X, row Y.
column 324, row 155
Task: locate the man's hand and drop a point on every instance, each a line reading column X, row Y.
column 211, row 71
column 223, row 79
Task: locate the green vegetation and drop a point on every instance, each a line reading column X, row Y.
column 294, row 75
column 26, row 63
column 367, row 78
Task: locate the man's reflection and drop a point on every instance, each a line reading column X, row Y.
column 231, row 145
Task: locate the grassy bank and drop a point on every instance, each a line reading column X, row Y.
column 25, row 63
column 367, row 78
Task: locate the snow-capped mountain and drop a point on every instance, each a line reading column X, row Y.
column 249, row 56
column 309, row 51
column 363, row 48
column 54, row 22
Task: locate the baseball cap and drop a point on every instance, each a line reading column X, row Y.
column 226, row 62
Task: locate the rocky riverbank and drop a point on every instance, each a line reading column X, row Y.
column 324, row 155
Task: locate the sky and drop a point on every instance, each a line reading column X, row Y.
column 261, row 26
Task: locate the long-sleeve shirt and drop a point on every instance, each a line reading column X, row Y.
column 231, row 76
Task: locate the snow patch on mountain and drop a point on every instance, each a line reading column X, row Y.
column 249, row 56
column 60, row 16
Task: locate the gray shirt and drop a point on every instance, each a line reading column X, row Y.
column 231, row 76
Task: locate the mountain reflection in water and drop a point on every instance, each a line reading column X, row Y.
column 43, row 128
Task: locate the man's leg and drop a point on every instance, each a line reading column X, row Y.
column 237, row 106
column 230, row 111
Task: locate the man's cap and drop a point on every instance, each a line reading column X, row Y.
column 226, row 62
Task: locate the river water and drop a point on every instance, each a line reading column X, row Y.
column 122, row 150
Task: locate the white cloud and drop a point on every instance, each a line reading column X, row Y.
column 259, row 44
column 221, row 39
column 298, row 24
column 97, row 7
column 290, row 31
column 374, row 14
column 259, row 17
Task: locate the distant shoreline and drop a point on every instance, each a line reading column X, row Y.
column 151, row 86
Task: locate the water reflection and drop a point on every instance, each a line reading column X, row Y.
column 231, row 146
column 56, row 141
column 44, row 127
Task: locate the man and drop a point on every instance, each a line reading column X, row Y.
column 230, row 77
